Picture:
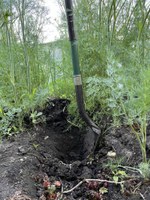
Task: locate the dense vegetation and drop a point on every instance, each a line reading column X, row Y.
column 114, row 46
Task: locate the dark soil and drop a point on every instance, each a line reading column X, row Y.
column 55, row 150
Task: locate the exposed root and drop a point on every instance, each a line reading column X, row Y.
column 88, row 180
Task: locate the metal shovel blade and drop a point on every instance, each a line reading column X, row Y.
column 90, row 142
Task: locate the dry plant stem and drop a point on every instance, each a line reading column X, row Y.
column 130, row 168
column 137, row 187
column 72, row 124
column 88, row 180
column 68, row 191
column 100, row 180
column 142, row 196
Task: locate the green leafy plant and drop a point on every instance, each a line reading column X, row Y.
column 129, row 99
column 36, row 117
column 119, row 175
column 114, row 166
column 11, row 121
column 145, row 170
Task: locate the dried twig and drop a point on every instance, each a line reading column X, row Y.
column 142, row 196
column 130, row 168
column 68, row 191
column 100, row 180
column 89, row 180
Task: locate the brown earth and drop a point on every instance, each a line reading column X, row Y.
column 55, row 150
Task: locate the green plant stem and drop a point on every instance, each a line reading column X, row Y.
column 142, row 140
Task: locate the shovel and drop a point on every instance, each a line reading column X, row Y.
column 93, row 133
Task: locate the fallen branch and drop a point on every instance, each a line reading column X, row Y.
column 89, row 180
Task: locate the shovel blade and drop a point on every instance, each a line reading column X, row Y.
column 90, row 142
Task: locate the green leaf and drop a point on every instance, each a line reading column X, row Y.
column 103, row 190
column 115, row 178
column 122, row 173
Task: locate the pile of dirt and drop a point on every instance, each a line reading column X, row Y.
column 55, row 151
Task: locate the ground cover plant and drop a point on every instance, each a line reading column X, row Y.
column 36, row 87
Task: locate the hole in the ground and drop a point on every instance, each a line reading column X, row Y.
column 70, row 146
column 66, row 146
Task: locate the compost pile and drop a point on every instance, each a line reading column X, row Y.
column 47, row 162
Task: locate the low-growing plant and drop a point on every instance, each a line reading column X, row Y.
column 11, row 121
column 114, row 166
column 36, row 117
column 12, row 113
column 145, row 170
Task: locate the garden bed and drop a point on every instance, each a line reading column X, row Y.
column 51, row 153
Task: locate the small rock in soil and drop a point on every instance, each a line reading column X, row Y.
column 22, row 150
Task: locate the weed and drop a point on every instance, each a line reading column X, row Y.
column 35, row 117
column 145, row 170
column 117, row 173
column 11, row 122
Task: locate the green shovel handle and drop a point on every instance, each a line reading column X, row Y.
column 76, row 70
